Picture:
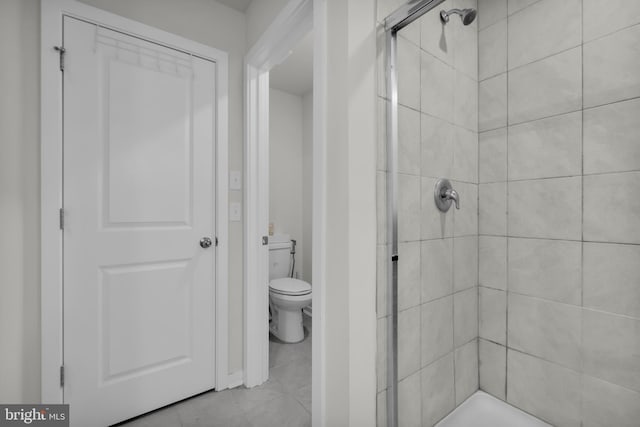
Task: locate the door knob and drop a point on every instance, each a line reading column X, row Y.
column 205, row 242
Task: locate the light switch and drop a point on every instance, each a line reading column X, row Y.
column 235, row 180
column 235, row 211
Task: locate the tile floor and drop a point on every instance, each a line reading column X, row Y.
column 284, row 400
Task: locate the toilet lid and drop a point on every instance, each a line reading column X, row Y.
column 289, row 286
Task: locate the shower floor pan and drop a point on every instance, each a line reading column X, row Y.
column 484, row 410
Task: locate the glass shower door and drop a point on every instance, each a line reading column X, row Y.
column 432, row 311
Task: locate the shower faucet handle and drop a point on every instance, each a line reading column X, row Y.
column 452, row 194
column 444, row 194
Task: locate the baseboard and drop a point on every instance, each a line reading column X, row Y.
column 235, row 379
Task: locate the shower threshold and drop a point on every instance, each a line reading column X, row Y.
column 484, row 410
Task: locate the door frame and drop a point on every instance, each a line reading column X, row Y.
column 52, row 328
column 296, row 19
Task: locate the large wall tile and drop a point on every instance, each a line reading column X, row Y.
column 611, row 137
column 408, row 342
column 466, row 371
column 493, row 368
column 411, row 33
column 465, row 316
column 492, row 254
column 492, row 103
column 546, row 148
column 490, row 12
column 408, row 208
column 409, row 283
column 492, row 210
column 437, row 269
column 547, row 390
column 465, row 261
column 465, row 49
column 546, row 88
column 514, row 6
column 436, row 85
column 492, row 48
column 550, row 269
column 493, row 314
column 435, row 224
column 465, row 155
column 545, row 329
column 409, row 402
column 611, row 348
column 605, row 404
column 437, row 147
column 408, row 66
column 612, row 207
column 437, row 38
column 611, row 67
column 465, row 102
column 438, row 396
column 408, row 141
column 437, row 329
column 547, row 208
column 601, row 18
column 492, row 154
column 545, row 28
column 465, row 219
column 612, row 278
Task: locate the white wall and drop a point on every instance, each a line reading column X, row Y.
column 204, row 21
column 307, row 185
column 350, row 257
column 260, row 14
column 285, row 168
column 19, row 201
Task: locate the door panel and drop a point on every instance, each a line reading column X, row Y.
column 148, row 148
column 138, row 196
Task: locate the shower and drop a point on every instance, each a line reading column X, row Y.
column 467, row 15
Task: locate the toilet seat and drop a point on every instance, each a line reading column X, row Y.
column 289, row 286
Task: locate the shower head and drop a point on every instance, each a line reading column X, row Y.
column 467, row 15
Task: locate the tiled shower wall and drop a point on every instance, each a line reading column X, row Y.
column 559, row 208
column 438, row 253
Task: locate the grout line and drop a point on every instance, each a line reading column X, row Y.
column 591, row 107
column 582, row 347
column 551, row 55
column 506, row 314
column 520, row 10
column 607, row 34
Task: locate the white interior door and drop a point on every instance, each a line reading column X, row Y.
column 139, row 194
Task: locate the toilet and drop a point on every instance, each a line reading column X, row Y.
column 287, row 296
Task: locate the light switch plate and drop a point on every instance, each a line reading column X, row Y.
column 235, row 211
column 235, row 180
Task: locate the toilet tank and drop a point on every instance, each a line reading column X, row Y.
column 279, row 256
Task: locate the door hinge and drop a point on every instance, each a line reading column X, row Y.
column 216, row 241
column 62, row 376
column 61, row 50
column 61, row 219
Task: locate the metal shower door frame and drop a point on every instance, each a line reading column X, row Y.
column 393, row 23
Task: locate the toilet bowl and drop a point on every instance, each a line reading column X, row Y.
column 287, row 298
